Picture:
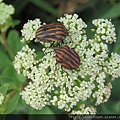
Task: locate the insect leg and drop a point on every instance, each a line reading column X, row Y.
column 55, row 68
column 51, row 44
column 59, row 44
column 64, row 70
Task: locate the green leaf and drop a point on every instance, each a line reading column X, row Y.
column 14, row 40
column 40, row 54
column 20, row 78
column 116, row 107
column 4, row 89
column 113, row 12
column 115, row 89
column 4, row 80
column 15, row 22
column 118, row 49
column 44, row 114
column 45, row 110
column 10, row 83
column 9, row 71
column 104, row 109
column 12, row 104
column 45, row 6
column 4, row 60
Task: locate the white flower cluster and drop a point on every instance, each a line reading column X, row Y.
column 5, row 12
column 102, row 94
column 105, row 30
column 36, row 95
column 1, row 1
column 25, row 60
column 29, row 29
column 52, row 85
column 2, row 97
column 83, row 114
column 72, row 26
column 113, row 66
column 87, row 110
column 76, row 30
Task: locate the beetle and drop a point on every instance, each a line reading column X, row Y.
column 67, row 57
column 51, row 33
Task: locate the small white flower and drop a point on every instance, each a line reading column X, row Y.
column 105, row 29
column 5, row 12
column 87, row 110
column 24, row 60
column 113, row 66
column 29, row 30
column 2, row 97
column 35, row 96
column 75, row 28
column 61, row 104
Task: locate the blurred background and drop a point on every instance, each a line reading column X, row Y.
column 48, row 11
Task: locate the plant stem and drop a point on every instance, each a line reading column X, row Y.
column 5, row 43
column 11, row 94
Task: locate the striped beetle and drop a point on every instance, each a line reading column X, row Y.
column 67, row 57
column 52, row 32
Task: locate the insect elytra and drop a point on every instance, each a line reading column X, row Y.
column 51, row 32
column 67, row 57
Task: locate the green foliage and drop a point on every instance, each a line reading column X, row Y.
column 4, row 89
column 45, row 6
column 10, row 88
column 112, row 106
column 45, row 110
column 9, row 71
column 4, row 60
column 118, row 49
column 12, row 104
column 14, row 40
column 112, row 12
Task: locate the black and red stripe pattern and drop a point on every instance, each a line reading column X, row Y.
column 67, row 57
column 52, row 32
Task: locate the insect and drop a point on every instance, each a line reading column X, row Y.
column 52, row 32
column 67, row 57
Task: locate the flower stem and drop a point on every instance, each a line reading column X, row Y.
column 5, row 43
column 11, row 94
